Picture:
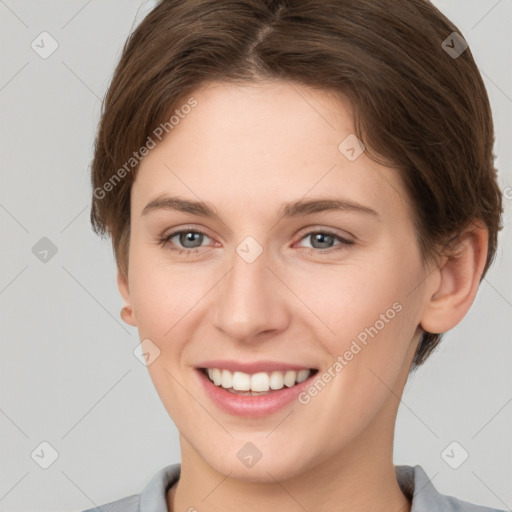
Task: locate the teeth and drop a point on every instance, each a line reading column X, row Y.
column 276, row 380
column 216, row 377
column 241, row 381
column 302, row 375
column 289, row 378
column 227, row 379
column 259, row 382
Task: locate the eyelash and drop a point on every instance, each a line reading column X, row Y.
column 344, row 243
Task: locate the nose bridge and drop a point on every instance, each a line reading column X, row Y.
column 247, row 303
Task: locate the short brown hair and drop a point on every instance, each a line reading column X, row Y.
column 416, row 106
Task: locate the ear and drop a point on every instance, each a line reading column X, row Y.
column 456, row 281
column 127, row 311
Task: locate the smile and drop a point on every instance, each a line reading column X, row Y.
column 253, row 395
column 257, row 383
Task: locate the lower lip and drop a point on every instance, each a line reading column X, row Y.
column 252, row 406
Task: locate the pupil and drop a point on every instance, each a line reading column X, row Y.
column 189, row 237
column 320, row 237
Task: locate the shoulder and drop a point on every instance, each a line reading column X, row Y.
column 416, row 484
column 152, row 498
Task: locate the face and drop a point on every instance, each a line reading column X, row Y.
column 275, row 277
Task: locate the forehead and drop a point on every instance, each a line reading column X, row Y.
column 264, row 143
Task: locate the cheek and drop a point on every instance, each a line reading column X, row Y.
column 162, row 293
column 372, row 318
column 344, row 303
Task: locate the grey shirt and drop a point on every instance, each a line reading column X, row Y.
column 413, row 481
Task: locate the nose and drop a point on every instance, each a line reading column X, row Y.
column 250, row 304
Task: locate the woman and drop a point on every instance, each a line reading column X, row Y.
column 301, row 198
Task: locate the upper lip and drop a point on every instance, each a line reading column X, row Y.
column 253, row 367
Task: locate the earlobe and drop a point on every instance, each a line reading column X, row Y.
column 127, row 311
column 458, row 279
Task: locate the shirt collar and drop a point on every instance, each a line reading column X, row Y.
column 154, row 497
column 413, row 481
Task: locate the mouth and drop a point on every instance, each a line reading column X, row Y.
column 256, row 384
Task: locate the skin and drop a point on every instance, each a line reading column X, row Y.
column 247, row 150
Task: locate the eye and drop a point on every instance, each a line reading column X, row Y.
column 187, row 240
column 322, row 240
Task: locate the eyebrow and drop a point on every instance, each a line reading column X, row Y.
column 293, row 209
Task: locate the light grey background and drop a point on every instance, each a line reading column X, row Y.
column 68, row 373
